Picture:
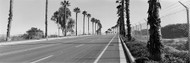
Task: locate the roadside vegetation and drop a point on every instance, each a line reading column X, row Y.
column 173, row 51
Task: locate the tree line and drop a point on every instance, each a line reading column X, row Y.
column 62, row 17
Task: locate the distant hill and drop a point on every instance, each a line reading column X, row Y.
column 174, row 31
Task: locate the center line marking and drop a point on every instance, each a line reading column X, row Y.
column 98, row 58
column 42, row 59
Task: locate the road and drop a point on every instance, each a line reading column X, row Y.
column 88, row 49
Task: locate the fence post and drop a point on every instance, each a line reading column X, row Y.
column 187, row 10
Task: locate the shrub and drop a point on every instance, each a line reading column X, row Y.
column 34, row 33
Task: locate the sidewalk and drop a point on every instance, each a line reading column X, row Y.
column 36, row 40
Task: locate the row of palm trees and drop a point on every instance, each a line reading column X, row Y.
column 97, row 24
column 154, row 44
column 67, row 13
column 62, row 21
column 85, row 14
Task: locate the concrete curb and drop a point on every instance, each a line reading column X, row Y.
column 128, row 54
column 121, row 52
column 31, row 41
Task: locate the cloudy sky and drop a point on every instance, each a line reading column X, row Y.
column 30, row 13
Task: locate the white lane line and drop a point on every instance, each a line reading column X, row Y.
column 79, row 45
column 25, row 50
column 121, row 52
column 42, row 59
column 98, row 58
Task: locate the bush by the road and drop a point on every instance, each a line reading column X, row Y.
column 34, row 33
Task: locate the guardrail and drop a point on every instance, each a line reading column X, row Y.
column 128, row 55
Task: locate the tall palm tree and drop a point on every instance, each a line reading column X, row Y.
column 93, row 20
column 154, row 44
column 76, row 10
column 128, row 20
column 120, row 13
column 84, row 14
column 65, row 4
column 46, row 22
column 88, row 15
column 10, row 20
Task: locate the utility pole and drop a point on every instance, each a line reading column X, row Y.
column 187, row 10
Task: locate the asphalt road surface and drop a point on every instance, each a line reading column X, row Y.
column 88, row 49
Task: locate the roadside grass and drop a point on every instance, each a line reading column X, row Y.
column 181, row 45
column 171, row 54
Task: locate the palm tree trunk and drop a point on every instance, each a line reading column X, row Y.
column 128, row 21
column 88, row 24
column 65, row 34
column 154, row 44
column 122, row 20
column 92, row 28
column 46, row 23
column 84, row 25
column 10, row 20
column 95, row 29
column 76, row 23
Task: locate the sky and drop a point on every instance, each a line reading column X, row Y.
column 31, row 13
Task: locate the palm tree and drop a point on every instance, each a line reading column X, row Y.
column 10, row 20
column 65, row 4
column 88, row 15
column 120, row 13
column 99, row 27
column 84, row 14
column 46, row 22
column 154, row 44
column 128, row 20
column 96, row 25
column 76, row 10
column 93, row 21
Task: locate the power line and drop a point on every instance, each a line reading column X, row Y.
column 173, row 13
